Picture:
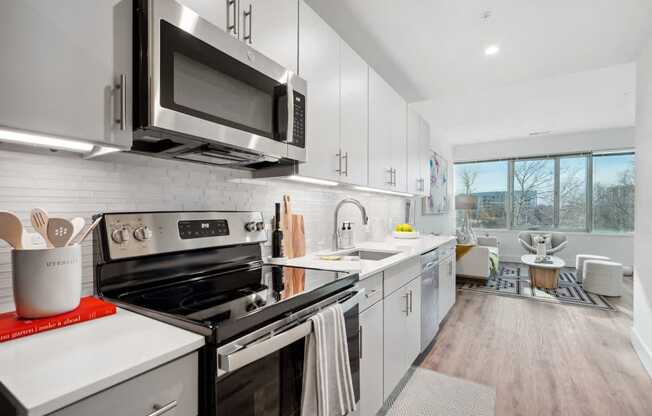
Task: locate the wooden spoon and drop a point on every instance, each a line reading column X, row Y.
column 60, row 231
column 11, row 229
column 39, row 218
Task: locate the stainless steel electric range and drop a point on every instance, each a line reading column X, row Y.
column 204, row 271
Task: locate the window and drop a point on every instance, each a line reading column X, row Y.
column 584, row 192
column 613, row 192
column 533, row 197
column 486, row 181
column 572, row 193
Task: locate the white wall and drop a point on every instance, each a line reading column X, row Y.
column 642, row 331
column 581, row 101
column 70, row 186
column 617, row 138
column 617, row 247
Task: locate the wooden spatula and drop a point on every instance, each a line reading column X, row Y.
column 60, row 231
column 11, row 229
column 39, row 218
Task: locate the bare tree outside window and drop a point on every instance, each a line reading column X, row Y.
column 613, row 193
column 487, row 181
column 534, row 191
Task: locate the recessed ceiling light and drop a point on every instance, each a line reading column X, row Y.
column 491, row 50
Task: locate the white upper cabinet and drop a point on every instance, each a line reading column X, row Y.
column 271, row 27
column 354, row 116
column 381, row 174
column 62, row 65
column 399, row 142
column 387, row 135
column 319, row 65
column 418, row 148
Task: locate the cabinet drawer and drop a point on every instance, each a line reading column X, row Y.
column 373, row 286
column 170, row 384
column 399, row 275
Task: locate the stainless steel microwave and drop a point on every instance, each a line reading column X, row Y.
column 203, row 96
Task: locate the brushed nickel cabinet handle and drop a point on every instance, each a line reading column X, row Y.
column 161, row 410
column 122, row 88
column 231, row 26
column 247, row 35
column 410, row 301
column 346, row 163
column 339, row 162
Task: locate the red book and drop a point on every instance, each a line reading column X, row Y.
column 12, row 327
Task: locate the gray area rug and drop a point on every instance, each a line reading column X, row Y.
column 514, row 281
column 428, row 393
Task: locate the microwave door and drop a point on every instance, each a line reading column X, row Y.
column 208, row 85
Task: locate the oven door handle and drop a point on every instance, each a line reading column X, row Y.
column 239, row 359
column 353, row 300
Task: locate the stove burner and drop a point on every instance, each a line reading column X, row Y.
column 168, row 292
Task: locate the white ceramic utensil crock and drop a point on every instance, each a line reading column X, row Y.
column 46, row 282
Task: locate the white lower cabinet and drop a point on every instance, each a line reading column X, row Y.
column 401, row 333
column 371, row 360
column 447, row 289
column 172, row 386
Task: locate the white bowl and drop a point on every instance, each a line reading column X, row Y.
column 403, row 234
column 46, row 282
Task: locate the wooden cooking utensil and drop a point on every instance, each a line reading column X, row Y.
column 78, row 224
column 39, row 218
column 84, row 233
column 11, row 229
column 60, row 231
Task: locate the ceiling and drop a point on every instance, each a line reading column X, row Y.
column 427, row 48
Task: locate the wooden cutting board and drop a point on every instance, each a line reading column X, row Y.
column 294, row 245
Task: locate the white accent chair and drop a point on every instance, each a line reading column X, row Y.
column 579, row 264
column 558, row 242
column 476, row 263
column 603, row 277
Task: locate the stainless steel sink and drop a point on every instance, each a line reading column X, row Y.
column 371, row 255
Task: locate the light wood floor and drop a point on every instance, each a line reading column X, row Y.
column 545, row 359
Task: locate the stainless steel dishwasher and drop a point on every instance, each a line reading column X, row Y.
column 429, row 297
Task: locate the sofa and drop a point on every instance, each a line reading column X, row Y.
column 478, row 261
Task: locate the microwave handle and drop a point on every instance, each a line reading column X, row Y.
column 290, row 95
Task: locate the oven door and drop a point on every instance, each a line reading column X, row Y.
column 264, row 377
column 206, row 84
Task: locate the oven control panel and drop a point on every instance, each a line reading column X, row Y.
column 147, row 233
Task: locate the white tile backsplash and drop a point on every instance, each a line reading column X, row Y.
column 66, row 185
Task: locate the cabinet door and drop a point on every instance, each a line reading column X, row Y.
column 414, row 153
column 319, row 57
column 371, row 360
column 380, row 127
column 215, row 11
column 399, row 141
column 354, row 115
column 424, row 155
column 394, row 340
column 271, row 27
column 61, row 62
column 413, row 322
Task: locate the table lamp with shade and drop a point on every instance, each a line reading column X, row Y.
column 465, row 235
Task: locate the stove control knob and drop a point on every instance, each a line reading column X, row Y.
column 120, row 236
column 260, row 226
column 142, row 233
column 250, row 226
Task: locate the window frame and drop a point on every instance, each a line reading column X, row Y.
column 588, row 183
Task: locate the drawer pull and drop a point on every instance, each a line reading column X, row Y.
column 371, row 293
column 161, row 410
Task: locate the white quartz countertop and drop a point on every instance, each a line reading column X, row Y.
column 405, row 249
column 50, row 370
